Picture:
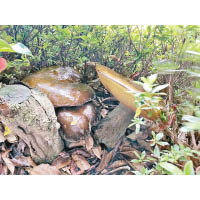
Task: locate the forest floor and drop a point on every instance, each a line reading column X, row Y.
column 15, row 157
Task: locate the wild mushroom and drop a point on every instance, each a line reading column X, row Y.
column 63, row 88
column 114, row 126
column 61, row 85
column 123, row 89
column 76, row 121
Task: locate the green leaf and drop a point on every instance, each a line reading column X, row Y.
column 5, row 47
column 145, row 80
column 174, row 170
column 191, row 126
column 150, row 113
column 162, row 143
column 136, row 153
column 138, row 112
column 153, row 134
column 160, row 87
column 191, row 118
column 152, row 78
column 143, row 155
column 156, row 151
column 147, row 87
column 135, row 161
column 20, row 48
column 193, row 53
column 188, row 168
column 159, row 136
column 137, row 130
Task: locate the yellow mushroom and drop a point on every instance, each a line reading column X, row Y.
column 123, row 89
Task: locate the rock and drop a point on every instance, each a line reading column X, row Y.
column 114, row 126
column 29, row 114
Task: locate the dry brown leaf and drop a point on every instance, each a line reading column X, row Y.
column 2, row 138
column 128, row 173
column 197, row 169
column 8, row 161
column 82, row 153
column 144, row 144
column 104, row 112
column 3, row 170
column 104, row 171
column 118, row 163
column 137, row 166
column 11, row 138
column 105, row 160
column 133, row 136
column 97, row 151
column 81, row 162
column 73, row 168
column 89, row 142
column 23, row 161
column 21, row 146
column 76, row 144
column 44, row 169
column 129, row 151
column 61, row 162
column 9, row 164
column 118, row 169
column 66, row 170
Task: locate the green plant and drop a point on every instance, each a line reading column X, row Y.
column 172, row 169
column 141, row 158
column 156, row 139
column 151, row 98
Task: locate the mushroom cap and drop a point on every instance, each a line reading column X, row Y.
column 61, row 85
column 75, row 121
column 54, row 73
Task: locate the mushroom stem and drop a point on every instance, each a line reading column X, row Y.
column 123, row 89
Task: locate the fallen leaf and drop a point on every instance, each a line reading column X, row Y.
column 9, row 164
column 7, row 131
column 118, row 169
column 21, row 146
column 133, row 136
column 144, row 144
column 61, row 162
column 105, row 160
column 76, row 144
column 81, row 162
column 11, row 138
column 137, row 166
column 20, row 171
column 73, row 168
column 8, row 161
column 23, row 161
column 4, row 170
column 118, row 163
column 97, row 151
column 128, row 173
column 2, row 138
column 129, row 151
column 82, row 153
column 44, row 169
column 89, row 142
column 104, row 112
column 198, row 170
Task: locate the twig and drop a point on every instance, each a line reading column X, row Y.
column 194, row 141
